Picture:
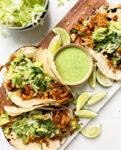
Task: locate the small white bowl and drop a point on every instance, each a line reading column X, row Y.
column 31, row 25
column 87, row 75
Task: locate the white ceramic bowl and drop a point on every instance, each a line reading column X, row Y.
column 89, row 71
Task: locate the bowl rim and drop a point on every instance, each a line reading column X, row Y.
column 90, row 62
column 29, row 25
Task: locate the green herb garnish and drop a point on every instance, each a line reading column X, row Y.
column 25, row 72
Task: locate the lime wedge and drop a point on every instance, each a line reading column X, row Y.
column 63, row 34
column 87, row 114
column 102, row 79
column 92, row 132
column 96, row 98
column 55, row 44
column 92, row 78
column 81, row 101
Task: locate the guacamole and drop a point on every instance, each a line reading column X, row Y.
column 73, row 64
column 24, row 72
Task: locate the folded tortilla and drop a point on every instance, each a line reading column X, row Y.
column 102, row 62
column 38, row 55
column 103, row 66
column 18, row 144
column 61, row 120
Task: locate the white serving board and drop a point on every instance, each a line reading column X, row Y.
column 85, row 87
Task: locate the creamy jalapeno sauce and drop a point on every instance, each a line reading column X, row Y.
column 72, row 64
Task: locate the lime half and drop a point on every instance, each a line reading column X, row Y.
column 92, row 132
column 81, row 101
column 102, row 79
column 55, row 44
column 63, row 34
column 96, row 98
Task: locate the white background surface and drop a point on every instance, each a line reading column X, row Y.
column 109, row 117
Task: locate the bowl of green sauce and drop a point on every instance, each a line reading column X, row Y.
column 73, row 64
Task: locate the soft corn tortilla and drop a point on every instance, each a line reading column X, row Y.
column 16, row 111
column 28, row 103
column 18, row 144
column 103, row 66
column 43, row 56
column 101, row 60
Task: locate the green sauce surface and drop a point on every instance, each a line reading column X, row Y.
column 72, row 64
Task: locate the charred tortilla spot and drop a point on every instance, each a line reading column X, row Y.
column 109, row 19
column 113, row 10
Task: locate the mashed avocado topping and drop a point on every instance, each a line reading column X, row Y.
column 33, row 125
column 4, row 119
column 25, row 72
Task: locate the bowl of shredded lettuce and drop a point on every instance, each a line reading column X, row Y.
column 22, row 14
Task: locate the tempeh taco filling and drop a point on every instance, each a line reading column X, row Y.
column 27, row 78
column 102, row 33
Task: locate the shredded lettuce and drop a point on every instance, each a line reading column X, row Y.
column 20, row 13
column 108, row 38
column 28, row 126
column 24, row 72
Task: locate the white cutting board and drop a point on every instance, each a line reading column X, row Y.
column 111, row 92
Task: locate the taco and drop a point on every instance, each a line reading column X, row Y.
column 40, row 129
column 101, row 35
column 29, row 80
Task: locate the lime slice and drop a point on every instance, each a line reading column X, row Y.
column 64, row 35
column 55, row 44
column 92, row 78
column 87, row 114
column 92, row 132
column 96, row 98
column 81, row 101
column 102, row 79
